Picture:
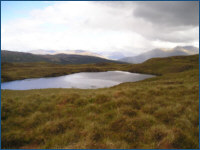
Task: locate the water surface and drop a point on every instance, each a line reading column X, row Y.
column 83, row 80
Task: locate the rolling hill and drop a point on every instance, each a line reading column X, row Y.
column 177, row 51
column 11, row 56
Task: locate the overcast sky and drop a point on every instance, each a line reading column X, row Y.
column 99, row 26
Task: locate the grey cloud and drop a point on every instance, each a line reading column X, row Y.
column 175, row 13
column 174, row 38
column 172, row 13
column 171, row 21
column 165, row 21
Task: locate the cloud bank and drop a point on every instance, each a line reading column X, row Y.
column 104, row 26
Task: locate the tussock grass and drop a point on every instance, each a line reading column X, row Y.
column 162, row 112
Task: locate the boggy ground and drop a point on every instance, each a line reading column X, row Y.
column 161, row 112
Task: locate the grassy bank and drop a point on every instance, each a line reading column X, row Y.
column 162, row 112
column 17, row 71
column 157, row 66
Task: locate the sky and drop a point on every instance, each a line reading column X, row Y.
column 98, row 26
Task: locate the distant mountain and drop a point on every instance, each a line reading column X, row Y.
column 71, row 52
column 190, row 50
column 177, row 51
column 11, row 56
column 116, row 55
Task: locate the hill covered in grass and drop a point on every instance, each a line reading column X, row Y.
column 11, row 56
column 162, row 112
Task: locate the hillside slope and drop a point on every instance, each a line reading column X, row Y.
column 11, row 56
column 157, row 113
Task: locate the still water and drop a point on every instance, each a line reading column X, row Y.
column 83, row 80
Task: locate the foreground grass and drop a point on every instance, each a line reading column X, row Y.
column 162, row 112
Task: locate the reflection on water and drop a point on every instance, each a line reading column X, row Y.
column 84, row 80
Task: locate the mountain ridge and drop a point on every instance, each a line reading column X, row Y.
column 13, row 56
column 70, row 52
column 177, row 51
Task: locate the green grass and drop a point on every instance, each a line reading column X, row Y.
column 161, row 112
